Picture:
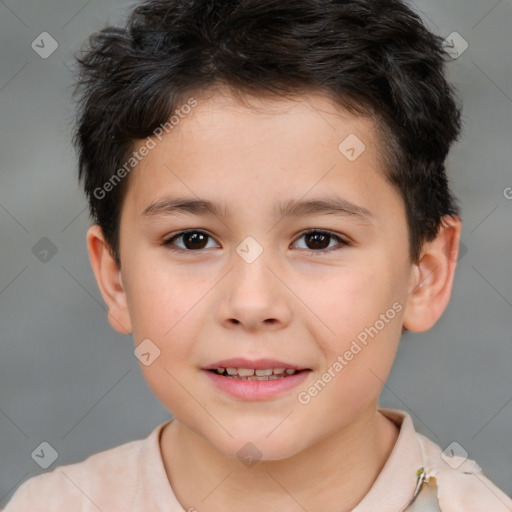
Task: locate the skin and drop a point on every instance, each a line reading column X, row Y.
column 291, row 303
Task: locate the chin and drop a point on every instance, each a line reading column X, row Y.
column 252, row 445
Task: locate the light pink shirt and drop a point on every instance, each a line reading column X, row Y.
column 132, row 478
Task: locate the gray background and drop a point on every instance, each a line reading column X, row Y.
column 66, row 377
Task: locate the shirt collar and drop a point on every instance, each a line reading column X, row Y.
column 394, row 487
column 392, row 490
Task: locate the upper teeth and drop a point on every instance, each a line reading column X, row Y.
column 249, row 372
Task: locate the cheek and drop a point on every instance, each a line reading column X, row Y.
column 161, row 296
column 163, row 307
column 350, row 300
column 363, row 312
column 162, row 304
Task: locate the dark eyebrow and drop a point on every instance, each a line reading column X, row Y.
column 171, row 206
column 333, row 205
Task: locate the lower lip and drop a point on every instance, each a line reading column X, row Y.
column 256, row 389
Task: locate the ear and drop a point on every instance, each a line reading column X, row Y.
column 432, row 278
column 108, row 277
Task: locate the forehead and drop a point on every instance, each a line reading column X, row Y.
column 310, row 116
column 258, row 148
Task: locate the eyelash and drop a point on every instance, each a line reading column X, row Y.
column 169, row 241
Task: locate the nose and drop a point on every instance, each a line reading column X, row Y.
column 254, row 296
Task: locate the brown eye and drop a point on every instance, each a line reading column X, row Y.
column 318, row 241
column 191, row 240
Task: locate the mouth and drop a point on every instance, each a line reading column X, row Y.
column 254, row 374
column 260, row 379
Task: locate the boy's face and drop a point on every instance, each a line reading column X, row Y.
column 220, row 298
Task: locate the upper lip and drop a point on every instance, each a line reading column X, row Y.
column 256, row 364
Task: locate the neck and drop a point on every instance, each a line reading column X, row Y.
column 332, row 475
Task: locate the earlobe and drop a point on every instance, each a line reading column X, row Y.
column 108, row 277
column 432, row 278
